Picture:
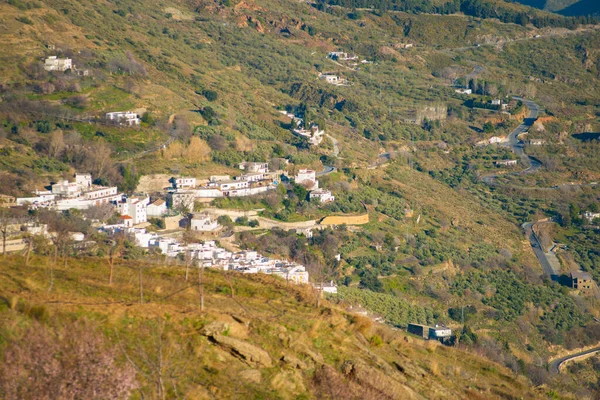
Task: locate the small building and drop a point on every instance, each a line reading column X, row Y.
column 255, row 167
column 342, row 56
column 439, row 332
column 536, row 142
column 464, row 91
column 496, row 102
column 203, row 223
column 53, row 63
column 127, row 118
column 322, row 196
column 66, row 189
column 308, row 232
column 506, row 163
column 127, row 221
column 307, row 177
column 157, row 209
column 84, row 180
column 590, row 216
column 581, row 280
column 183, row 182
column 332, row 79
column 135, row 208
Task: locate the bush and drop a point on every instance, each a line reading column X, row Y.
column 25, row 20
column 210, row 95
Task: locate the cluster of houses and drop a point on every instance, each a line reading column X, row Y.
column 307, row 130
column 208, row 254
column 257, row 179
column 80, row 194
column 308, row 179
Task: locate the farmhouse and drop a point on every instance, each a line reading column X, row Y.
column 506, row 163
column 322, row 196
column 53, row 63
column 125, row 118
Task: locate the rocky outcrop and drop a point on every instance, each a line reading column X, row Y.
column 389, row 386
column 253, row 355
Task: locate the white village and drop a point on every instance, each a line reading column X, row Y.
column 176, row 208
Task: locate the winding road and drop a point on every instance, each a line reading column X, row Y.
column 554, row 365
column 517, row 145
column 548, row 261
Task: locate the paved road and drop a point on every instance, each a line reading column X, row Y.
column 554, row 366
column 517, row 146
column 513, row 138
column 548, row 261
column 327, row 170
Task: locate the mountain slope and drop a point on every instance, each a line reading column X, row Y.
column 267, row 341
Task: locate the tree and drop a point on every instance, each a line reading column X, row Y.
column 76, row 363
column 210, row 95
column 488, row 127
column 57, row 144
column 4, row 224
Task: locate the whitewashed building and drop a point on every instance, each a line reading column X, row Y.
column 158, row 208
column 253, row 167
column 123, row 118
column 322, row 196
column 135, row 208
column 53, row 63
column 308, row 178
column 203, row 223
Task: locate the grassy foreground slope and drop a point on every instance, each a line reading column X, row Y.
column 269, row 340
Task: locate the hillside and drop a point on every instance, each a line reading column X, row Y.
column 416, row 131
column 264, row 340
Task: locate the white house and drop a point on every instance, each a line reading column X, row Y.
column 332, row 79
column 157, row 209
column 506, row 163
column 184, row 183
column 66, row 189
column 123, row 118
column 313, row 134
column 496, row 102
column 101, row 192
column 203, row 223
column 464, row 91
column 135, row 208
column 233, row 185
column 53, row 63
column 342, row 56
column 251, row 177
column 308, row 178
column 590, row 216
column 255, row 167
column 321, row 195
column 84, row 180
column 297, row 275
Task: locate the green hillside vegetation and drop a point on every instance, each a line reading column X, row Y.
column 209, row 78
